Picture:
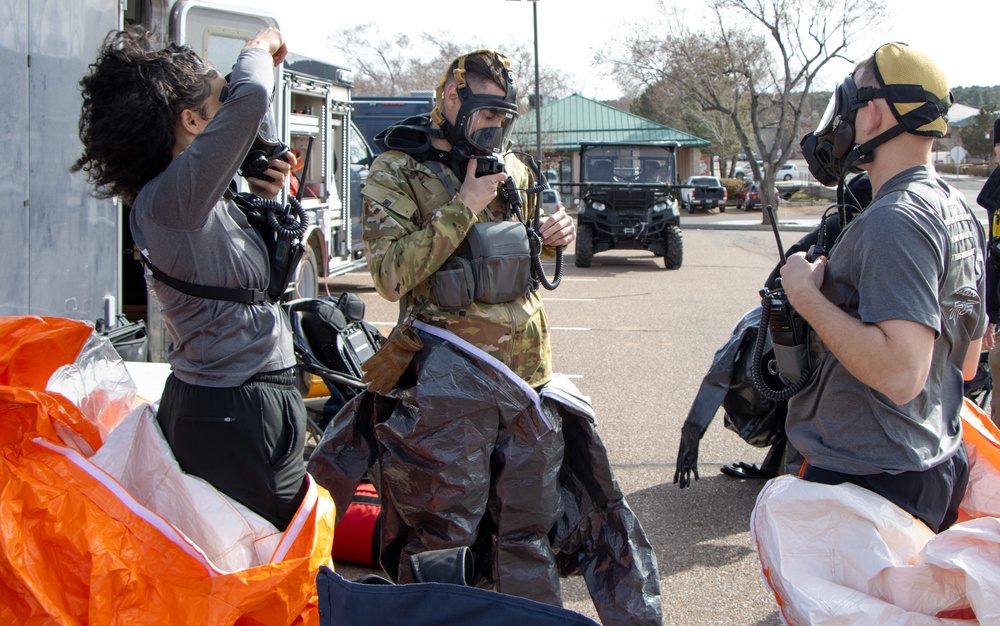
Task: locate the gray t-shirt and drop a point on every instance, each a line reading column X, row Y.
column 180, row 221
column 916, row 253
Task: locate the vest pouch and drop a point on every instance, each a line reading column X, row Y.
column 454, row 284
column 501, row 261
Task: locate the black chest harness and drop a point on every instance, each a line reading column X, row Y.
column 281, row 228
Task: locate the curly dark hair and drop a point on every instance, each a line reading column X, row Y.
column 132, row 96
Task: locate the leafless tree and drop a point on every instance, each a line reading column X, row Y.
column 756, row 63
column 381, row 66
column 665, row 103
column 397, row 65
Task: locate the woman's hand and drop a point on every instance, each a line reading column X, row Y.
column 270, row 39
column 278, row 170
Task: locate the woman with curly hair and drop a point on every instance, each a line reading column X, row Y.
column 166, row 133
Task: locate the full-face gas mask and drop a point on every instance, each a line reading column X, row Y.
column 829, row 149
column 916, row 92
column 484, row 124
column 267, row 145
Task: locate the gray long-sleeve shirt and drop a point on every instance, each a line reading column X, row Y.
column 188, row 231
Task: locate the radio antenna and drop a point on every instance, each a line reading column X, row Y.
column 774, row 228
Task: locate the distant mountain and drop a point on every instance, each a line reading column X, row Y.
column 978, row 97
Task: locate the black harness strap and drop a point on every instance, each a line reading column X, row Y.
column 231, row 294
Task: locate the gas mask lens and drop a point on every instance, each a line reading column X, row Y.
column 826, row 122
column 827, row 148
column 267, row 132
column 488, row 130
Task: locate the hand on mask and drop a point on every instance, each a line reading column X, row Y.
column 477, row 193
column 278, row 170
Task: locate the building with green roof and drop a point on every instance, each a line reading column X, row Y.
column 574, row 120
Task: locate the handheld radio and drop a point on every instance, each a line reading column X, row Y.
column 789, row 335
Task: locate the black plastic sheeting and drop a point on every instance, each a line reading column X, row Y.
column 465, row 455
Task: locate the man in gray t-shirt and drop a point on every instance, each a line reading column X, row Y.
column 900, row 304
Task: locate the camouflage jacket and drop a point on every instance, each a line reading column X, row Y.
column 412, row 224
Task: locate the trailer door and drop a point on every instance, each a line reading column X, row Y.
column 59, row 243
column 217, row 34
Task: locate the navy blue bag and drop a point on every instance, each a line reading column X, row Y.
column 375, row 601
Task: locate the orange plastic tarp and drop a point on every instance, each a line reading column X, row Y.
column 77, row 548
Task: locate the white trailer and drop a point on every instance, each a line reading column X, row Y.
column 69, row 254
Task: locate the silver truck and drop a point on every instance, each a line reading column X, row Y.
column 704, row 192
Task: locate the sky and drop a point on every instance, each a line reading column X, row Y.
column 956, row 33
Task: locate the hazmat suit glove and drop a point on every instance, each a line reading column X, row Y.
column 383, row 369
column 687, row 455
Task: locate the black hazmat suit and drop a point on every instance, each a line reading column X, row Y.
column 590, row 527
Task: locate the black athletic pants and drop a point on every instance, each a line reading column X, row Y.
column 932, row 496
column 246, row 441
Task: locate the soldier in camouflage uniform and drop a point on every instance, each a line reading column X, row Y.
column 465, row 427
column 416, row 215
column 412, row 223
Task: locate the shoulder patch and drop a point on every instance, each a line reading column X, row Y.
column 390, row 200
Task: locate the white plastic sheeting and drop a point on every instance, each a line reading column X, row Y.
column 843, row 555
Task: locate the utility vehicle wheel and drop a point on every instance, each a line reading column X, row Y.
column 690, row 209
column 675, row 248
column 584, row 245
column 306, row 283
column 722, row 208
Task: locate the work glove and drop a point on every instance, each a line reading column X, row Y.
column 687, row 455
column 383, row 369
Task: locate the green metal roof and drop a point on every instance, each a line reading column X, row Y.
column 570, row 121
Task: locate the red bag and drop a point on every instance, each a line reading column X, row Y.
column 356, row 539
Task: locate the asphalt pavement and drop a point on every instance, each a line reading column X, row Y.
column 638, row 339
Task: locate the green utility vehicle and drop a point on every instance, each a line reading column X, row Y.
column 629, row 200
